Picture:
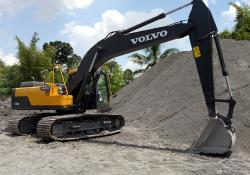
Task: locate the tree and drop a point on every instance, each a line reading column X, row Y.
column 226, row 34
column 12, row 76
column 9, row 78
column 241, row 30
column 152, row 56
column 2, row 71
column 2, row 65
column 73, row 61
column 62, row 51
column 114, row 71
column 169, row 52
column 128, row 76
column 32, row 60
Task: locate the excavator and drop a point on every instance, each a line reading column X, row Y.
column 88, row 87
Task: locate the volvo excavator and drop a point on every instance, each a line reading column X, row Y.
column 83, row 90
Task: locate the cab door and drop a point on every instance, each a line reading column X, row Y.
column 103, row 93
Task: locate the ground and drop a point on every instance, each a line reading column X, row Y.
column 164, row 111
column 124, row 153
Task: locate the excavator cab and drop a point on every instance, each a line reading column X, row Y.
column 97, row 93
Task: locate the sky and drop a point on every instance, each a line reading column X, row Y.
column 84, row 22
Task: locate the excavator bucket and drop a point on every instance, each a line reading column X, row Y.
column 215, row 139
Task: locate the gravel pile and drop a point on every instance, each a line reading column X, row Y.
column 168, row 100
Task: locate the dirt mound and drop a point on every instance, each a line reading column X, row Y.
column 5, row 111
column 168, row 100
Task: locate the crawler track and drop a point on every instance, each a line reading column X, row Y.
column 52, row 126
column 74, row 127
column 22, row 125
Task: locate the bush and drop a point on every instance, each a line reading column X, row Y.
column 5, row 91
column 241, row 30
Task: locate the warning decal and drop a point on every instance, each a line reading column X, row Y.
column 197, row 52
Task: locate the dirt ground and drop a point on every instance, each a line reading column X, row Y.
column 164, row 111
column 131, row 152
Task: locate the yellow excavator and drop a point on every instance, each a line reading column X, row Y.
column 88, row 87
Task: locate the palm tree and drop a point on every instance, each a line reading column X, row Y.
column 151, row 57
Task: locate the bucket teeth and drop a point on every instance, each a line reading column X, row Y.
column 215, row 139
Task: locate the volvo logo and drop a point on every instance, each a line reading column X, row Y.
column 149, row 37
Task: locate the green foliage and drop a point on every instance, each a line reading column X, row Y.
column 169, row 52
column 62, row 53
column 73, row 61
column 48, row 76
column 115, row 74
column 50, row 52
column 9, row 77
column 226, row 34
column 151, row 57
column 2, row 75
column 37, row 64
column 241, row 30
column 2, row 65
column 32, row 60
column 5, row 91
column 12, row 77
column 128, row 76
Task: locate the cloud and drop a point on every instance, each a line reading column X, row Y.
column 9, row 59
column 45, row 9
column 247, row 1
column 82, row 37
column 207, row 2
column 132, row 66
column 77, row 4
column 230, row 14
column 48, row 9
column 11, row 7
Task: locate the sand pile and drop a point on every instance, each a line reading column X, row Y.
column 5, row 111
column 168, row 100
